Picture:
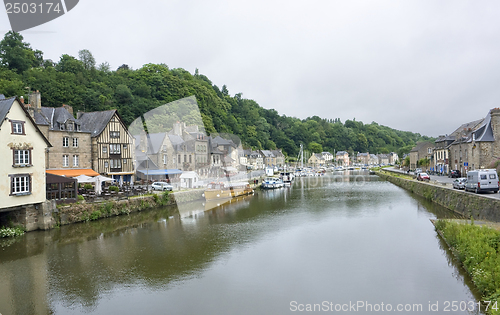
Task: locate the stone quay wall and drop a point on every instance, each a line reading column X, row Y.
column 478, row 206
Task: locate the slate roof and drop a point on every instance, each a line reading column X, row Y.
column 156, row 141
column 341, row 153
column 95, row 122
column 5, row 105
column 267, row 153
column 420, row 145
column 484, row 133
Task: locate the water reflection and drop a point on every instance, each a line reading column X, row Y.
column 323, row 238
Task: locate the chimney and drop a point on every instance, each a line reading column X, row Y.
column 79, row 114
column 495, row 125
column 69, row 109
column 21, row 99
column 35, row 100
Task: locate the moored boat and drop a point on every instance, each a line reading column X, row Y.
column 221, row 190
column 272, row 183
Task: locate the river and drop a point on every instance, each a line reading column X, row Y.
column 326, row 243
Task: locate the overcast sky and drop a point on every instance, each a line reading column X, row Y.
column 422, row 66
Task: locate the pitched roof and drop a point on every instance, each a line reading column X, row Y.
column 420, row 145
column 267, row 153
column 156, row 140
column 6, row 105
column 95, row 122
column 484, row 132
column 341, row 153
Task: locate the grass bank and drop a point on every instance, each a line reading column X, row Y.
column 477, row 248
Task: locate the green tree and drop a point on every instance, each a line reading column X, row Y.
column 87, row 59
column 315, row 147
column 17, row 55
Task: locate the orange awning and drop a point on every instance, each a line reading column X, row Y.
column 74, row 172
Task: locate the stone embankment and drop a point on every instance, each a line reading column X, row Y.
column 93, row 211
column 478, row 206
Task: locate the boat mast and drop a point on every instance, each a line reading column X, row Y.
column 301, row 156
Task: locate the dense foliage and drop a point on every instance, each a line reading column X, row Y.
column 478, row 249
column 87, row 87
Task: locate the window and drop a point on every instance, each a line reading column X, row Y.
column 61, row 126
column 114, row 148
column 17, row 127
column 114, row 134
column 164, row 147
column 483, row 177
column 493, row 176
column 78, row 127
column 105, row 164
column 20, row 184
column 124, row 161
column 115, row 163
column 75, row 142
column 164, row 159
column 429, row 150
column 70, row 126
column 65, row 160
column 190, row 159
column 185, row 158
column 104, row 149
column 75, row 160
column 125, row 146
column 22, row 157
column 65, row 142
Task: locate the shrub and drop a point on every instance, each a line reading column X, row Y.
column 9, row 232
column 113, row 188
column 95, row 215
column 477, row 248
column 88, row 186
column 80, row 197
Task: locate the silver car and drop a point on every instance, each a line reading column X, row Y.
column 459, row 183
column 162, row 186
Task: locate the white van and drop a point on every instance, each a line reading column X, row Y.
column 482, row 180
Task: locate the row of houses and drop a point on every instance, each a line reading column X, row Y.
column 473, row 145
column 49, row 146
column 342, row 158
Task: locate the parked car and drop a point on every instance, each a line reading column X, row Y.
column 482, row 180
column 418, row 170
column 455, row 174
column 162, row 186
column 459, row 183
column 423, row 176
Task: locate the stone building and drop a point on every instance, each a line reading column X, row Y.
column 420, row 151
column 342, row 158
column 363, row 158
column 479, row 146
column 443, row 163
column 316, row 159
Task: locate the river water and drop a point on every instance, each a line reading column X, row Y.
column 327, row 243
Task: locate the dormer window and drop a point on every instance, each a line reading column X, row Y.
column 61, row 126
column 70, row 126
column 17, row 127
column 78, row 127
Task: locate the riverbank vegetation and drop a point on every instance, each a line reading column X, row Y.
column 477, row 248
column 86, row 86
column 11, row 231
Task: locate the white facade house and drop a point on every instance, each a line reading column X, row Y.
column 23, row 147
